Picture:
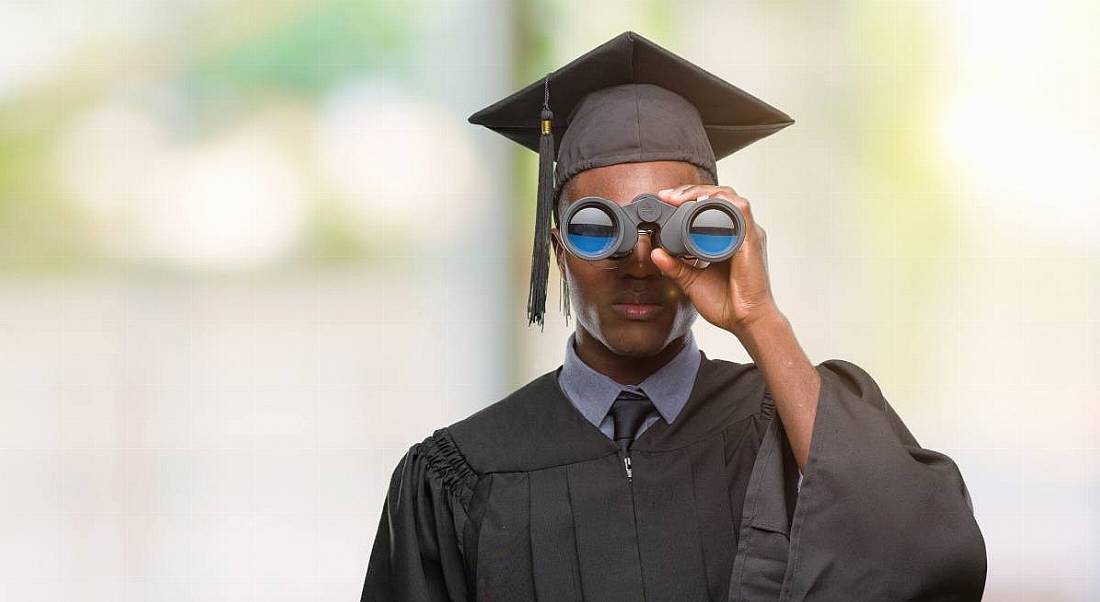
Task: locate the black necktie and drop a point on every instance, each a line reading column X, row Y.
column 629, row 412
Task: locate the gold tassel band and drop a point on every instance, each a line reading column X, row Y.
column 545, row 126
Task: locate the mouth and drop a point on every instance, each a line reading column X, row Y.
column 637, row 307
column 637, row 311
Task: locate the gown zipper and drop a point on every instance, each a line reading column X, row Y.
column 633, row 507
column 628, row 469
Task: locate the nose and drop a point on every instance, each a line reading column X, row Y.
column 638, row 263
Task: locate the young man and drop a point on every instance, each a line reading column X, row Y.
column 641, row 469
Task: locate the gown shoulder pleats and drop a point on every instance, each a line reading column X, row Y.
column 417, row 552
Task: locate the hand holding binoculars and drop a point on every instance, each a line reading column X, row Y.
column 709, row 228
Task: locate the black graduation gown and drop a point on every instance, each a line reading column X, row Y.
column 527, row 500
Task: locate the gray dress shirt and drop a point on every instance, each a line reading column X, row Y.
column 592, row 392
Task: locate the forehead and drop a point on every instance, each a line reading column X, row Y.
column 624, row 181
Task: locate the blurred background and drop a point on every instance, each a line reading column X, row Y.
column 251, row 251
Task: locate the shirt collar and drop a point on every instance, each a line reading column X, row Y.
column 593, row 392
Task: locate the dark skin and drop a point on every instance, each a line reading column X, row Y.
column 626, row 350
column 615, row 339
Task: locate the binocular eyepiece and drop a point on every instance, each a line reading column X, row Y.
column 710, row 228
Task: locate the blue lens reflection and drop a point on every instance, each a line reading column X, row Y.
column 713, row 231
column 591, row 231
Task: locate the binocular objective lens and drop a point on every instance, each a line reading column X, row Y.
column 713, row 231
column 591, row 231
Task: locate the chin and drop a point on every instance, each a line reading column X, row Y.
column 637, row 339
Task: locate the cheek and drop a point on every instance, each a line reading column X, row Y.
column 585, row 280
column 674, row 296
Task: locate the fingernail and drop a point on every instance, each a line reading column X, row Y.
column 666, row 190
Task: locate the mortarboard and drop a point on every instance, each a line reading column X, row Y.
column 625, row 101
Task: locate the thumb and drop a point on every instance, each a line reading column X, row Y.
column 676, row 269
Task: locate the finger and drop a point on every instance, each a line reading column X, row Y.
column 745, row 206
column 674, row 189
column 691, row 191
column 668, row 194
column 682, row 194
column 676, row 269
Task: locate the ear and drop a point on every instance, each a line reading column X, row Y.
column 559, row 250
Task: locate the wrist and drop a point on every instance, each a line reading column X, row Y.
column 766, row 331
column 764, row 320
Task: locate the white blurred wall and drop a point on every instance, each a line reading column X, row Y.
column 200, row 414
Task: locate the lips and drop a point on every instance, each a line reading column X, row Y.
column 637, row 311
column 637, row 306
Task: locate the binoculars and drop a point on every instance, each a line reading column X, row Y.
column 710, row 228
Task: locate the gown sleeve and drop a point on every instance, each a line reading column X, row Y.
column 417, row 553
column 877, row 513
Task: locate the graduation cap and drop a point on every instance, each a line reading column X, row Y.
column 625, row 101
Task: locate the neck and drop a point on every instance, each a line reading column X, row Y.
column 623, row 369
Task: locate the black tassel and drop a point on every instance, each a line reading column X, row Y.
column 540, row 254
column 564, row 297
